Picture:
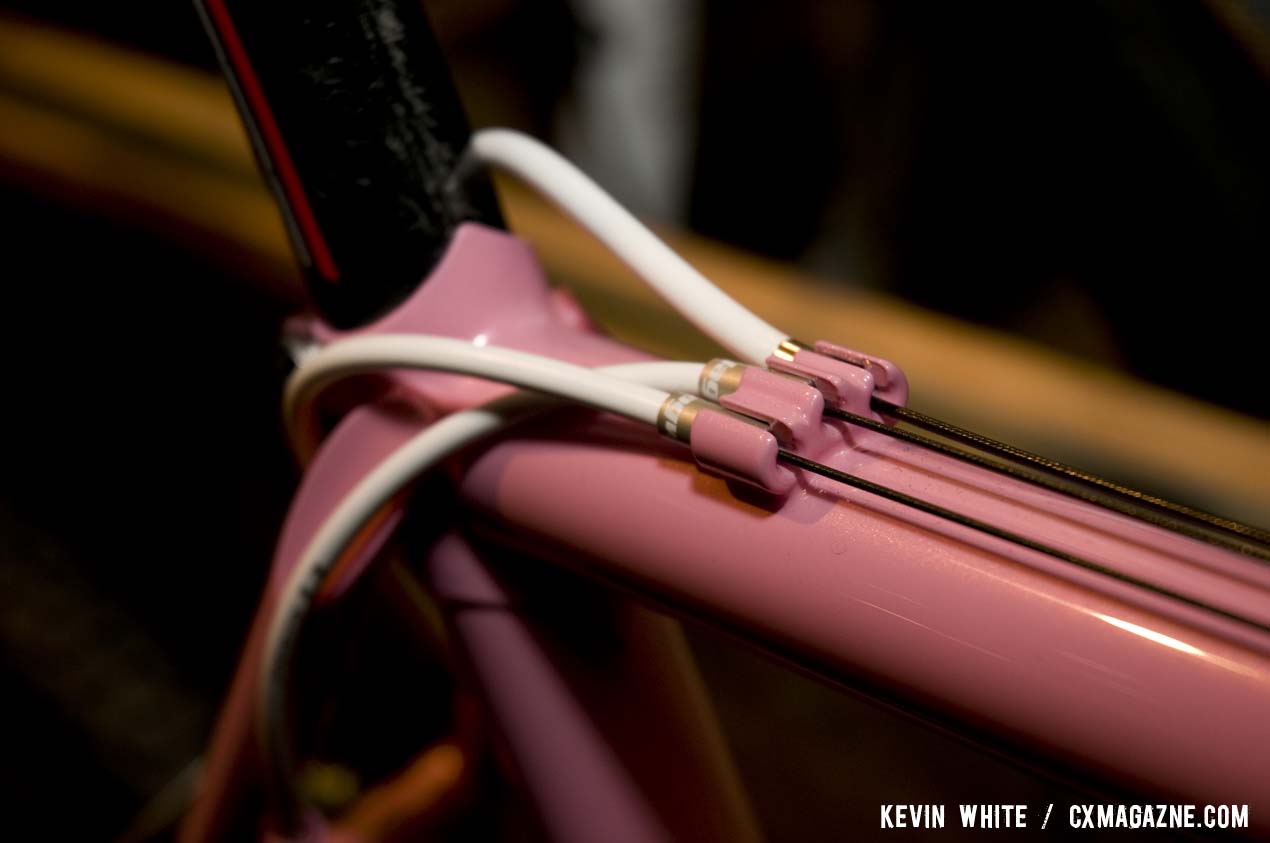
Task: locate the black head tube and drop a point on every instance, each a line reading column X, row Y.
column 358, row 129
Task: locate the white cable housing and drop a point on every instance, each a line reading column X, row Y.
column 714, row 312
column 640, row 391
column 358, row 355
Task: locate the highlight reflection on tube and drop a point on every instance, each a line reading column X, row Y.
column 1150, row 634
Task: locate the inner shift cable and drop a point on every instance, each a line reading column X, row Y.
column 1058, row 469
column 856, row 482
column 1101, row 493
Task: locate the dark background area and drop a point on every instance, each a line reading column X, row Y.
column 1092, row 175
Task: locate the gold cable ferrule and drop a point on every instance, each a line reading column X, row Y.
column 720, row 377
column 677, row 414
column 788, row 348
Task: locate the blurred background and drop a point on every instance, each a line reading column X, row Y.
column 1054, row 215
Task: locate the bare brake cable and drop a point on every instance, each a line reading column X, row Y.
column 1213, row 529
column 856, row 482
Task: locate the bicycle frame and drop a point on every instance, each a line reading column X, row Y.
column 998, row 643
column 1001, row 644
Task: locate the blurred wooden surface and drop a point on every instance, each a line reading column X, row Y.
column 131, row 137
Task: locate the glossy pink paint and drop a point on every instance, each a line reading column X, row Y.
column 1097, row 674
column 1150, row 695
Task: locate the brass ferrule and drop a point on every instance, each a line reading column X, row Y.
column 677, row 414
column 720, row 377
column 789, row 348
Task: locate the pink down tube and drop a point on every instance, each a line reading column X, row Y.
column 1000, row 643
column 1105, row 677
